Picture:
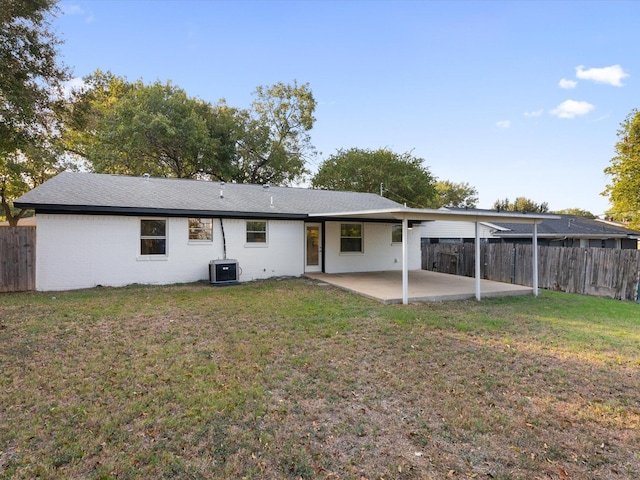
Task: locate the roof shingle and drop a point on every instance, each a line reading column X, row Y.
column 72, row 191
column 568, row 225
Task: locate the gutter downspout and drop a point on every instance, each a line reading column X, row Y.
column 535, row 259
column 224, row 241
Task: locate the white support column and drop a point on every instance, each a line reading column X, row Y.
column 535, row 260
column 405, row 262
column 478, row 272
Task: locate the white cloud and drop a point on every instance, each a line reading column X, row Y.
column 71, row 9
column 503, row 124
column 564, row 83
column 571, row 109
column 534, row 113
column 612, row 75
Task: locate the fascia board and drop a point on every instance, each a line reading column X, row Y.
column 159, row 212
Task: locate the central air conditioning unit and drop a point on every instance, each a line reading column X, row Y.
column 224, row 272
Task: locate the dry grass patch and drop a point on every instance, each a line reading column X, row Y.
column 290, row 379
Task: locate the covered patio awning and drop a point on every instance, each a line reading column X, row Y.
column 405, row 215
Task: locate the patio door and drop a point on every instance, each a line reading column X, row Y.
column 313, row 247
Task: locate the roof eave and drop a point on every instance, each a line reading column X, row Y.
column 416, row 214
column 155, row 212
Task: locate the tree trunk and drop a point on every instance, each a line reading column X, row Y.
column 12, row 219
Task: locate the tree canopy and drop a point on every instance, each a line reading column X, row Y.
column 578, row 212
column 274, row 143
column 403, row 177
column 31, row 81
column 452, row 194
column 122, row 127
column 119, row 127
column 521, row 204
column 624, row 170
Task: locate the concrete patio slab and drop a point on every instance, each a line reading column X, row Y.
column 424, row 286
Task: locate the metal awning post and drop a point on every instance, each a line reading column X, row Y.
column 535, row 259
column 477, row 272
column 405, row 262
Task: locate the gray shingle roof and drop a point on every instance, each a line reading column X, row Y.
column 100, row 193
column 569, row 226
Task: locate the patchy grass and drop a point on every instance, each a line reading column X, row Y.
column 290, row 379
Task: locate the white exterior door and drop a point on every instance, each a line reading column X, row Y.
column 313, row 247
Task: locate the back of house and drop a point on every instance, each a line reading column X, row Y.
column 114, row 230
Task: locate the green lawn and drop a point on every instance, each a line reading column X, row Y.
column 291, row 379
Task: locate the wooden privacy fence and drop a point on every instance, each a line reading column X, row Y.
column 603, row 272
column 17, row 259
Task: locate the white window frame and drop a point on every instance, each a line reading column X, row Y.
column 253, row 243
column 165, row 237
column 361, row 237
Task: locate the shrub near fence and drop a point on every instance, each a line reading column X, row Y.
column 603, row 272
column 17, row 259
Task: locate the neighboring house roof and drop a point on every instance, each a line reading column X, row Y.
column 570, row 226
column 72, row 192
column 554, row 226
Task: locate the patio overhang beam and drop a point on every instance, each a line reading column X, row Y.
column 418, row 215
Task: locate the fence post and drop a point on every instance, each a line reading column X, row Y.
column 535, row 259
column 584, row 274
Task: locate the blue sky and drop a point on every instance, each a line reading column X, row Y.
column 516, row 98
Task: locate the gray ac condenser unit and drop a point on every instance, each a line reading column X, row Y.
column 224, row 272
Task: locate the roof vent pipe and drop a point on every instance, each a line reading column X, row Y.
column 266, row 189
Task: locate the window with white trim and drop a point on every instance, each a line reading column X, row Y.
column 200, row 229
column 351, row 238
column 153, row 237
column 256, row 231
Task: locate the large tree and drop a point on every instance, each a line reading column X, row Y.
column 122, row 127
column 274, row 145
column 31, row 81
column 624, row 170
column 521, row 204
column 119, row 127
column 24, row 169
column 86, row 110
column 401, row 177
column 31, row 78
